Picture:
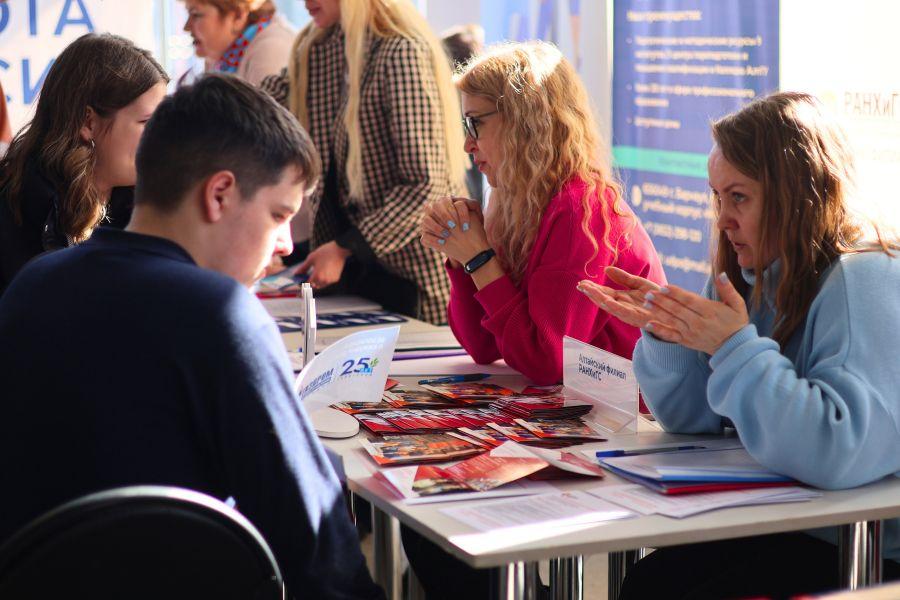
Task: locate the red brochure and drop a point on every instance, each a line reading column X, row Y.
column 411, row 449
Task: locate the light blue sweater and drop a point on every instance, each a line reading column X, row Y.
column 825, row 409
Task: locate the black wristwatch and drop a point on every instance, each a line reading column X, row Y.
column 478, row 261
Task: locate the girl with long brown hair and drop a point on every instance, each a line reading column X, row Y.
column 58, row 176
column 555, row 216
column 791, row 343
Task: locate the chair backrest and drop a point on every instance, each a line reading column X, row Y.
column 140, row 542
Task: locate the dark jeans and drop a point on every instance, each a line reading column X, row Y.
column 442, row 576
column 769, row 566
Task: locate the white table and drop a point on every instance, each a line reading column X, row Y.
column 863, row 507
column 859, row 511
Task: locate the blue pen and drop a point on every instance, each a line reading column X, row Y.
column 615, row 453
column 455, row 378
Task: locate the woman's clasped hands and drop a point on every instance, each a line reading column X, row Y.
column 455, row 227
column 671, row 313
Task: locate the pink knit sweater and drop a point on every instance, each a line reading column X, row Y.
column 524, row 324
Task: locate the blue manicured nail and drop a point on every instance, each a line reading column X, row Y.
column 723, row 277
column 451, row 224
column 649, row 326
column 465, row 227
column 649, row 296
column 647, row 305
column 664, row 290
column 445, row 233
column 442, row 242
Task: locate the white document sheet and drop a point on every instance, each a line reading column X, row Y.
column 544, row 511
column 647, row 502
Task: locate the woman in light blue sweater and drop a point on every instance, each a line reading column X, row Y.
column 792, row 343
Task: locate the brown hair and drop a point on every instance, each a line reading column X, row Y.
column 102, row 72
column 220, row 123
column 804, row 164
column 256, row 9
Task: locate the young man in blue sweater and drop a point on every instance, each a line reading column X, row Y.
column 791, row 344
column 141, row 357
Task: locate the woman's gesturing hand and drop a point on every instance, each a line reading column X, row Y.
column 672, row 313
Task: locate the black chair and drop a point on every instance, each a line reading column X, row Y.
column 140, row 542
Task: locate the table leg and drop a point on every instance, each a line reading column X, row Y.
column 414, row 589
column 515, row 581
column 352, row 504
column 387, row 553
column 619, row 562
column 633, row 556
column 567, row 578
column 860, row 554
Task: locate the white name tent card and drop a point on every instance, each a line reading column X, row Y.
column 604, row 379
column 354, row 368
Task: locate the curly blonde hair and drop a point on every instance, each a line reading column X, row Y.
column 383, row 18
column 549, row 138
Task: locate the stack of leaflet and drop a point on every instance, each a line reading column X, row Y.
column 404, row 397
column 485, row 411
column 562, row 429
column 408, row 449
column 469, row 393
column 556, row 406
column 424, row 421
column 688, row 471
column 495, row 434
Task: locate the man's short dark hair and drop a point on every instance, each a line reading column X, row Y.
column 220, row 123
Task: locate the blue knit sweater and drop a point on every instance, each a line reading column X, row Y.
column 825, row 409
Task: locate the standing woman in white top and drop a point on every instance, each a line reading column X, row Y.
column 244, row 37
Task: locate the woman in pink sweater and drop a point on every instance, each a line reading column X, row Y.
column 555, row 217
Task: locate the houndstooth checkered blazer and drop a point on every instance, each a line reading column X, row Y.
column 403, row 155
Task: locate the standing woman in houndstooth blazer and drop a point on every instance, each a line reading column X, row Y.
column 371, row 83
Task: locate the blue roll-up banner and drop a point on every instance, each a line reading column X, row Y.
column 33, row 33
column 679, row 64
